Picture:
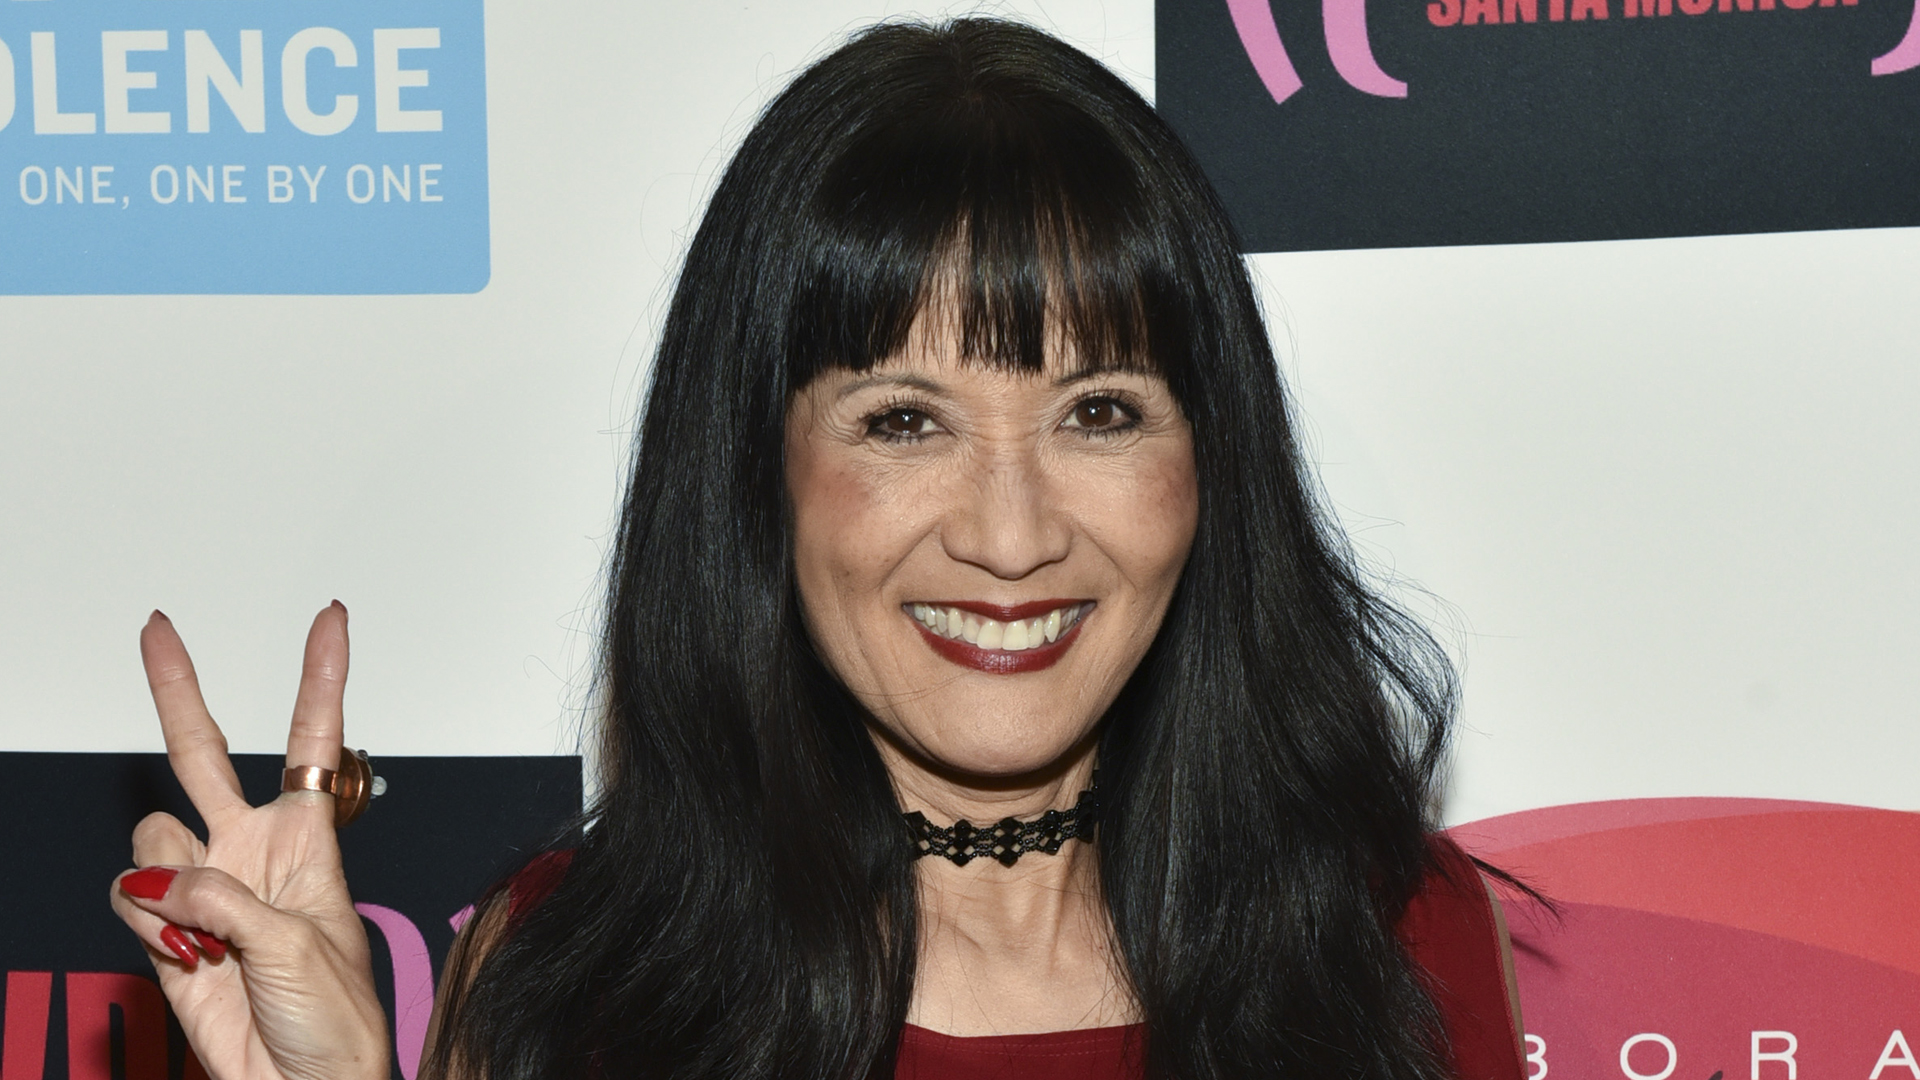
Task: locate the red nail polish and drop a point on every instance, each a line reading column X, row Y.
column 149, row 884
column 172, row 938
column 212, row 946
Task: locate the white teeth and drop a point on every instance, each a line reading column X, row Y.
column 1015, row 636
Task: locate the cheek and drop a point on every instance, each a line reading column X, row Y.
column 849, row 532
column 828, row 504
column 1176, row 489
column 1147, row 520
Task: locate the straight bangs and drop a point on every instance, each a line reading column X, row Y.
column 1006, row 215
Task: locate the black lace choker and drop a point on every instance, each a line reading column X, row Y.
column 1008, row 839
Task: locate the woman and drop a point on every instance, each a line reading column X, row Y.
column 964, row 470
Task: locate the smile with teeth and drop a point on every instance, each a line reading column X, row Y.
column 1017, row 635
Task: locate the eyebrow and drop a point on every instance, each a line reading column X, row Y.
column 922, row 383
column 915, row 382
column 1084, row 374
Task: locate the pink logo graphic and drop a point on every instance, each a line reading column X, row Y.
column 1351, row 50
column 412, row 983
column 1347, row 43
column 1715, row 939
column 1905, row 55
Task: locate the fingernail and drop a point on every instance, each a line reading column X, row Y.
column 149, row 884
column 160, row 616
column 173, row 938
column 341, row 606
column 212, row 946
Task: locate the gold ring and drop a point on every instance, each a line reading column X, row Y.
column 352, row 785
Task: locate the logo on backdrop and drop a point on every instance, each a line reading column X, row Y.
column 1744, row 939
column 210, row 147
column 81, row 1000
column 1395, row 123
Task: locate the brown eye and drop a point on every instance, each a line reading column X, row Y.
column 1097, row 413
column 900, row 423
column 1100, row 415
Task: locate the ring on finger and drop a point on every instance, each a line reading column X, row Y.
column 352, row 785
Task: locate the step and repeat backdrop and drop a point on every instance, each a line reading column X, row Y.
column 1599, row 316
column 1683, row 466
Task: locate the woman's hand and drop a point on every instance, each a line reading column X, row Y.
column 280, row 987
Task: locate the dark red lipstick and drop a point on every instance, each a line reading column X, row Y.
column 1000, row 661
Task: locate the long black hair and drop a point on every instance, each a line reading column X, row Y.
column 742, row 901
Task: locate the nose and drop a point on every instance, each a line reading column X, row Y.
column 1011, row 519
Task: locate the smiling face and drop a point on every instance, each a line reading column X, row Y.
column 984, row 556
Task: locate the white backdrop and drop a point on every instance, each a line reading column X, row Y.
column 1660, row 495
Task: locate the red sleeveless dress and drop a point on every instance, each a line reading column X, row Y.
column 1448, row 929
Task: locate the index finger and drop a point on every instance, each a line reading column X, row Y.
column 195, row 747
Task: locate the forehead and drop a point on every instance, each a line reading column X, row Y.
column 938, row 349
column 946, row 375
column 941, row 366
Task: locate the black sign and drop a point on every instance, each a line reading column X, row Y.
column 81, row 1001
column 1393, row 123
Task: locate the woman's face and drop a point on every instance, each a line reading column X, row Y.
column 983, row 557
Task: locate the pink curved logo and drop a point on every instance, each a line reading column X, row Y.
column 1347, row 44
column 1352, row 52
column 1351, row 49
column 412, row 984
column 1743, row 938
column 1904, row 56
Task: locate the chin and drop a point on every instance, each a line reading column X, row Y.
column 997, row 752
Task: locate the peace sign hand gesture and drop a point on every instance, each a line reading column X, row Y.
column 281, row 987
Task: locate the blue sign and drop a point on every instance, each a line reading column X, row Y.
column 212, row 146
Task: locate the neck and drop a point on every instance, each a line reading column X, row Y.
column 1011, row 949
column 945, row 798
